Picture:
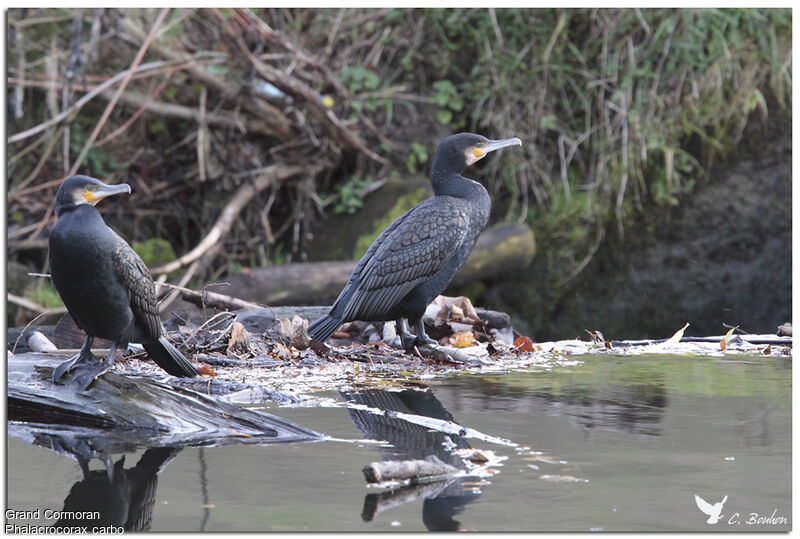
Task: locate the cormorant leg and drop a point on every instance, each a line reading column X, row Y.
column 422, row 337
column 86, row 374
column 85, row 356
column 407, row 339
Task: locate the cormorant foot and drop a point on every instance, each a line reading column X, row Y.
column 84, row 357
column 408, row 341
column 86, row 374
column 425, row 340
column 422, row 337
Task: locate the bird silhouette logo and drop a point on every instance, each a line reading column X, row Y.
column 714, row 511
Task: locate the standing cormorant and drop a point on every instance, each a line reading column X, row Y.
column 105, row 286
column 417, row 256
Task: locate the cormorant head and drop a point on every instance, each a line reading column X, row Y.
column 77, row 190
column 457, row 152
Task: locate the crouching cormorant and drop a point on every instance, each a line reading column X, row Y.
column 417, row 256
column 105, row 286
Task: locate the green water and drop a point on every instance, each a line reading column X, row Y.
column 625, row 443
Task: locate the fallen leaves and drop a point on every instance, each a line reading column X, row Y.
column 675, row 339
column 462, row 339
column 723, row 344
column 205, row 370
column 458, row 309
column 524, row 344
column 296, row 331
column 239, row 341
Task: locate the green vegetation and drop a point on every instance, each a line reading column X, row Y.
column 349, row 197
column 154, row 252
column 617, row 108
column 621, row 112
column 43, row 293
column 417, row 157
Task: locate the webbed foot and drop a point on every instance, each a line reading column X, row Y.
column 86, row 374
column 408, row 340
column 84, row 357
column 422, row 337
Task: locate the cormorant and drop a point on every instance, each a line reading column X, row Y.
column 417, row 256
column 105, row 286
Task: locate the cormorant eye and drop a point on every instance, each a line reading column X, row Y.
column 478, row 144
column 90, row 187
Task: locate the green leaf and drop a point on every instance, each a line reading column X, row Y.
column 444, row 116
column 371, row 80
column 156, row 127
column 548, row 121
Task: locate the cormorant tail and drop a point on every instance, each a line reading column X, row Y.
column 170, row 358
column 324, row 327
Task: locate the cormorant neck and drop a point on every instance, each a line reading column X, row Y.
column 63, row 209
column 446, row 171
column 452, row 184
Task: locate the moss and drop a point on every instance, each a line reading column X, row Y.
column 403, row 204
column 155, row 251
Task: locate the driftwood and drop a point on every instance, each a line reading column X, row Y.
column 141, row 409
column 499, row 250
column 415, row 471
column 215, row 300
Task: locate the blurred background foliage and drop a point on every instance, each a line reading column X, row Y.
column 620, row 111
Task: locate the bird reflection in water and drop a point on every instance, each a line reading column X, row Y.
column 121, row 497
column 443, row 499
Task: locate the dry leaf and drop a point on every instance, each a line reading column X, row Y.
column 462, row 339
column 477, row 457
column 282, row 351
column 729, row 335
column 675, row 339
column 205, row 370
column 457, row 309
column 524, row 344
column 295, row 330
column 239, row 340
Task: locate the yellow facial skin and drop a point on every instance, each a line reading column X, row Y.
column 90, row 197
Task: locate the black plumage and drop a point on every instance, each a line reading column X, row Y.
column 417, row 256
column 105, row 286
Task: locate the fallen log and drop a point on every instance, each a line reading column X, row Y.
column 500, row 250
column 140, row 409
column 415, row 471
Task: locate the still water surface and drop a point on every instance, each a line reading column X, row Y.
column 611, row 444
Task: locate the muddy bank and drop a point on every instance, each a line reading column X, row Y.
column 722, row 256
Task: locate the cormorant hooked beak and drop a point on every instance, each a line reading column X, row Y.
column 94, row 193
column 480, row 149
column 493, row 145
